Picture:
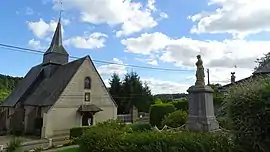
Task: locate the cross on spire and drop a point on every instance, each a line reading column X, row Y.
column 61, row 10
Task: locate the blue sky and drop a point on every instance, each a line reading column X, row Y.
column 162, row 34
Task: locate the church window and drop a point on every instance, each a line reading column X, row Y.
column 87, row 83
column 87, row 96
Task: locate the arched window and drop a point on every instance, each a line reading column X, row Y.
column 87, row 83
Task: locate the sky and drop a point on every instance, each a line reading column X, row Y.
column 167, row 34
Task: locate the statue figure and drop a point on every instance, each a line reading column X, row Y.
column 200, row 72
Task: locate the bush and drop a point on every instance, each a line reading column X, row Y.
column 158, row 112
column 109, row 140
column 113, row 124
column 99, row 139
column 176, row 142
column 248, row 107
column 140, row 127
column 77, row 131
column 180, row 104
column 14, row 145
column 175, row 119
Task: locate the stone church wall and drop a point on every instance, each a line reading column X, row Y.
column 64, row 114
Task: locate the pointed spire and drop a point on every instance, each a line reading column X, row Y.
column 56, row 53
column 57, row 37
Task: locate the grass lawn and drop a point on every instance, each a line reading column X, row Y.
column 75, row 149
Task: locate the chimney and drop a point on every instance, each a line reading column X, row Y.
column 233, row 77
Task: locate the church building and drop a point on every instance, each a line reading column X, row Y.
column 57, row 95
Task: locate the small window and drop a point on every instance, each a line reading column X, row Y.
column 87, row 83
column 87, row 96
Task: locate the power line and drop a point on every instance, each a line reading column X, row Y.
column 27, row 50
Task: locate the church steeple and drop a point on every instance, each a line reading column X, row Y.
column 57, row 37
column 56, row 53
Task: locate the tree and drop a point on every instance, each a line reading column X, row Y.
column 7, row 84
column 133, row 92
column 262, row 61
column 218, row 96
column 116, row 90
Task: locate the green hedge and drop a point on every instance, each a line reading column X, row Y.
column 158, row 112
column 113, row 124
column 140, row 127
column 78, row 131
column 110, row 140
column 180, row 104
column 175, row 119
column 248, row 107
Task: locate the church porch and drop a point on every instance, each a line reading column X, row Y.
column 87, row 113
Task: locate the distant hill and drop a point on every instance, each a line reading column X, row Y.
column 171, row 96
column 7, row 84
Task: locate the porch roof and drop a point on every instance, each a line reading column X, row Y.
column 89, row 108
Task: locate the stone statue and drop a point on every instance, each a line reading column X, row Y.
column 200, row 72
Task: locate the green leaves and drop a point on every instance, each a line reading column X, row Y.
column 130, row 91
column 4, row 94
column 248, row 111
column 7, row 84
column 158, row 112
column 175, row 119
column 109, row 139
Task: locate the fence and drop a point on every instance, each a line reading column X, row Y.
column 127, row 118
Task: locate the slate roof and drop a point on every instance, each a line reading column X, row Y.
column 265, row 69
column 89, row 108
column 22, row 87
column 56, row 44
column 49, row 90
column 224, row 87
column 36, row 89
column 46, row 92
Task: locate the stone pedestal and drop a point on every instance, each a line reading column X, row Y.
column 201, row 115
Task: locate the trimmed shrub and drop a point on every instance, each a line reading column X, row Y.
column 158, row 112
column 248, row 107
column 175, row 119
column 113, row 124
column 102, row 138
column 180, row 104
column 78, row 131
column 140, row 127
column 176, row 142
column 109, row 140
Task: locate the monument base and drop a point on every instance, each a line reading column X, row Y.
column 201, row 109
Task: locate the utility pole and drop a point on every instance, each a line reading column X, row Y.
column 208, row 79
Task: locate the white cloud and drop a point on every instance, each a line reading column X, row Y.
column 131, row 16
column 109, row 69
column 42, row 29
column 35, row 44
column 159, row 86
column 146, row 43
column 152, row 60
column 162, row 86
column 163, row 15
column 183, row 51
column 219, row 56
column 238, row 17
column 88, row 41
